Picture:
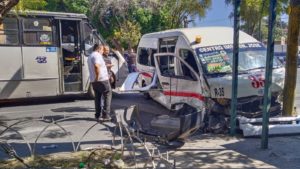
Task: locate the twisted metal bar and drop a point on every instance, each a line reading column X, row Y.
column 24, row 138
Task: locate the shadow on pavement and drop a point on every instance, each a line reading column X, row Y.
column 222, row 151
column 283, row 152
column 48, row 148
column 41, row 100
column 74, row 109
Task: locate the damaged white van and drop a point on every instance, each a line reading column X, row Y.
column 194, row 66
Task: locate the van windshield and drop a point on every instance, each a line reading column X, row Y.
column 218, row 59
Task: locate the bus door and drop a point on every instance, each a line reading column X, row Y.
column 90, row 37
column 71, row 63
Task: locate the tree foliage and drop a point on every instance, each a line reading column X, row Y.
column 114, row 16
column 76, row 6
column 128, row 34
column 31, row 5
column 5, row 6
column 253, row 11
column 122, row 22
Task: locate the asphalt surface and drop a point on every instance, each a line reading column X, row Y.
column 78, row 113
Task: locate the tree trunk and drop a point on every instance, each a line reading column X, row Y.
column 5, row 6
column 291, row 60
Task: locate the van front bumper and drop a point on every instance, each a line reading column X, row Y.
column 250, row 107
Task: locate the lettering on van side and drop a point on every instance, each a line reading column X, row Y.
column 219, row 92
column 209, row 49
column 41, row 59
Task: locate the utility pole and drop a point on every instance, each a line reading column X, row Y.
column 235, row 63
column 268, row 75
column 291, row 60
column 186, row 22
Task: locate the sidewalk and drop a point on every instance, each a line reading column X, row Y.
column 215, row 151
column 200, row 151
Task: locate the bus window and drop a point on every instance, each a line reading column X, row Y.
column 9, row 34
column 167, row 45
column 153, row 51
column 143, row 56
column 37, row 31
column 146, row 56
column 90, row 38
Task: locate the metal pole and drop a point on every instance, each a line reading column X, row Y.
column 235, row 63
column 268, row 74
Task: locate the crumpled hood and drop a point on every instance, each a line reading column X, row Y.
column 249, row 84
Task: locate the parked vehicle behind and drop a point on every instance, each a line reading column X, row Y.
column 45, row 54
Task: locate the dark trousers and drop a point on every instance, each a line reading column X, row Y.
column 102, row 88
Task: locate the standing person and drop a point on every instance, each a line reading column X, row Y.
column 109, row 65
column 126, row 56
column 132, row 60
column 100, row 82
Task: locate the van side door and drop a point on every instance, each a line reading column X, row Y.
column 178, row 87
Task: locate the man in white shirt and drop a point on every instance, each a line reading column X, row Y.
column 100, row 82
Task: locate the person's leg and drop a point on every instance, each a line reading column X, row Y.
column 97, row 99
column 107, row 94
column 133, row 68
column 129, row 68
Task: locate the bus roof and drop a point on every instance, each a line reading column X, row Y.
column 49, row 14
column 210, row 36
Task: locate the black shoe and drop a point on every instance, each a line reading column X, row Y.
column 97, row 117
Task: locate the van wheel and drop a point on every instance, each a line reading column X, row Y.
column 91, row 93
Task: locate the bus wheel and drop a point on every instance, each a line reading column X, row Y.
column 91, row 93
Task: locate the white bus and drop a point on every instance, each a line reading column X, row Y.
column 45, row 54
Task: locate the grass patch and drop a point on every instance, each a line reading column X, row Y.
column 97, row 159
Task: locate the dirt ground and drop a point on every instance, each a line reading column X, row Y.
column 219, row 151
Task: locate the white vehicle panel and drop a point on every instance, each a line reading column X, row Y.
column 12, row 57
column 130, row 84
column 149, row 42
column 177, row 89
column 248, row 84
column 39, row 63
column 24, row 89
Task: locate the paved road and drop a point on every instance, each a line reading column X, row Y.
column 55, row 109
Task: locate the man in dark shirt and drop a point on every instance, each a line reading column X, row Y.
column 132, row 61
column 109, row 65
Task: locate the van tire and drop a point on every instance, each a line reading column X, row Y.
column 91, row 93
